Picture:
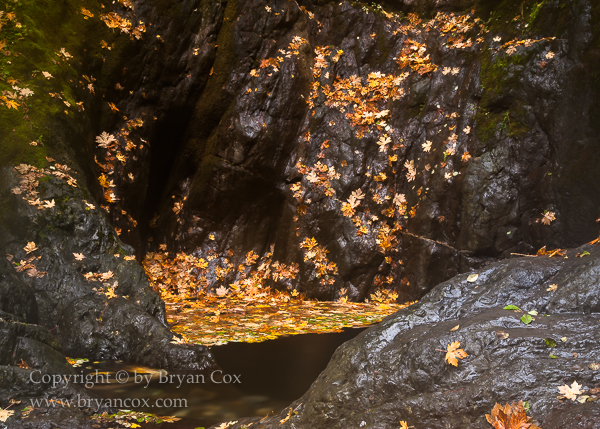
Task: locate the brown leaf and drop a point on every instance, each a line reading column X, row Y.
column 31, row 247
column 511, row 416
column 502, row 335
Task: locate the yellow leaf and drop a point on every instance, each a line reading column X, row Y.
column 12, row 104
column 103, row 181
column 86, row 13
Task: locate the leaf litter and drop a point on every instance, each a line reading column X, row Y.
column 212, row 320
column 212, row 301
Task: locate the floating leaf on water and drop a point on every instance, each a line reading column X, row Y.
column 550, row 342
column 455, row 328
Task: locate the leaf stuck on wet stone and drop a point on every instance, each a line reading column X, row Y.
column 453, row 353
column 526, row 319
column 472, row 278
column 571, row 392
column 502, row 335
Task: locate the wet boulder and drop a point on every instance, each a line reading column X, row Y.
column 397, row 370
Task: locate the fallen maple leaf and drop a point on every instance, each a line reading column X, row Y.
column 105, row 139
column 5, row 414
column 11, row 104
column 548, row 217
column 571, row 392
column 221, row 291
column 510, row 417
column 106, row 276
column 454, row 353
column 78, row 256
column 30, row 247
column 86, row 13
column 110, row 293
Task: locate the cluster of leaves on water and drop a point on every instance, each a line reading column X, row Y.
column 212, row 301
column 211, row 320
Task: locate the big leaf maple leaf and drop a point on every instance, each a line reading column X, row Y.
column 510, row 417
column 571, row 392
column 453, row 353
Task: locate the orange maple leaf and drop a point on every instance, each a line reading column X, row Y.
column 510, row 417
column 453, row 353
column 86, row 13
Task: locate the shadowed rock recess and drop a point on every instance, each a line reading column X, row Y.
column 398, row 145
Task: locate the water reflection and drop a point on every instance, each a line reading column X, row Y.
column 254, row 379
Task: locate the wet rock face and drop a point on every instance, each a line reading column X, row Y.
column 393, row 371
column 49, row 309
column 49, row 288
column 232, row 155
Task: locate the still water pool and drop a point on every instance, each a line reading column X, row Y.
column 254, row 379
